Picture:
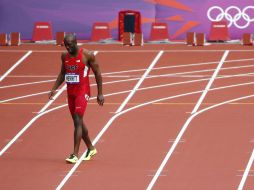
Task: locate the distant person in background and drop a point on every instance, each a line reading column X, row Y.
column 76, row 64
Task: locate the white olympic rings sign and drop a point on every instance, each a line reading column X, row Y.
column 233, row 19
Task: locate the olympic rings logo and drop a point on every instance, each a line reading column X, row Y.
column 233, row 19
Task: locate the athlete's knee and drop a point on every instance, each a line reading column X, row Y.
column 77, row 120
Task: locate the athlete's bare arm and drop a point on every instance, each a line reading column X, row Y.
column 91, row 60
column 59, row 80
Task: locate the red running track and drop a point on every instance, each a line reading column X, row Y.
column 212, row 152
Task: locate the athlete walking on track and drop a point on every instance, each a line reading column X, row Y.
column 76, row 64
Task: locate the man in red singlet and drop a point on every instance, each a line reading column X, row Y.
column 76, row 64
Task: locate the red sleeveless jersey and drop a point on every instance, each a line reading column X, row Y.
column 76, row 75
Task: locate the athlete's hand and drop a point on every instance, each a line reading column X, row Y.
column 52, row 94
column 100, row 99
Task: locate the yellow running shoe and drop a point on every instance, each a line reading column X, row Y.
column 90, row 154
column 72, row 159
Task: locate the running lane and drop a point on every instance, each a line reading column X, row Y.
column 217, row 144
column 8, row 59
column 38, row 161
column 18, row 112
column 137, row 141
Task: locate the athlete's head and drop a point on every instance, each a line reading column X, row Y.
column 70, row 43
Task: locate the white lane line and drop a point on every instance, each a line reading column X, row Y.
column 246, row 172
column 21, row 97
column 140, row 82
column 15, row 65
column 238, row 60
column 52, row 100
column 172, row 76
column 28, row 83
column 198, row 71
column 185, row 126
column 191, row 81
column 104, row 129
column 210, row 82
column 32, row 76
column 161, row 68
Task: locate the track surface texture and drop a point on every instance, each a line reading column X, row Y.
column 175, row 117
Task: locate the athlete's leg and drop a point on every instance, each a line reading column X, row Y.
column 78, row 132
column 86, row 137
column 81, row 130
column 73, row 158
column 77, row 124
column 91, row 149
